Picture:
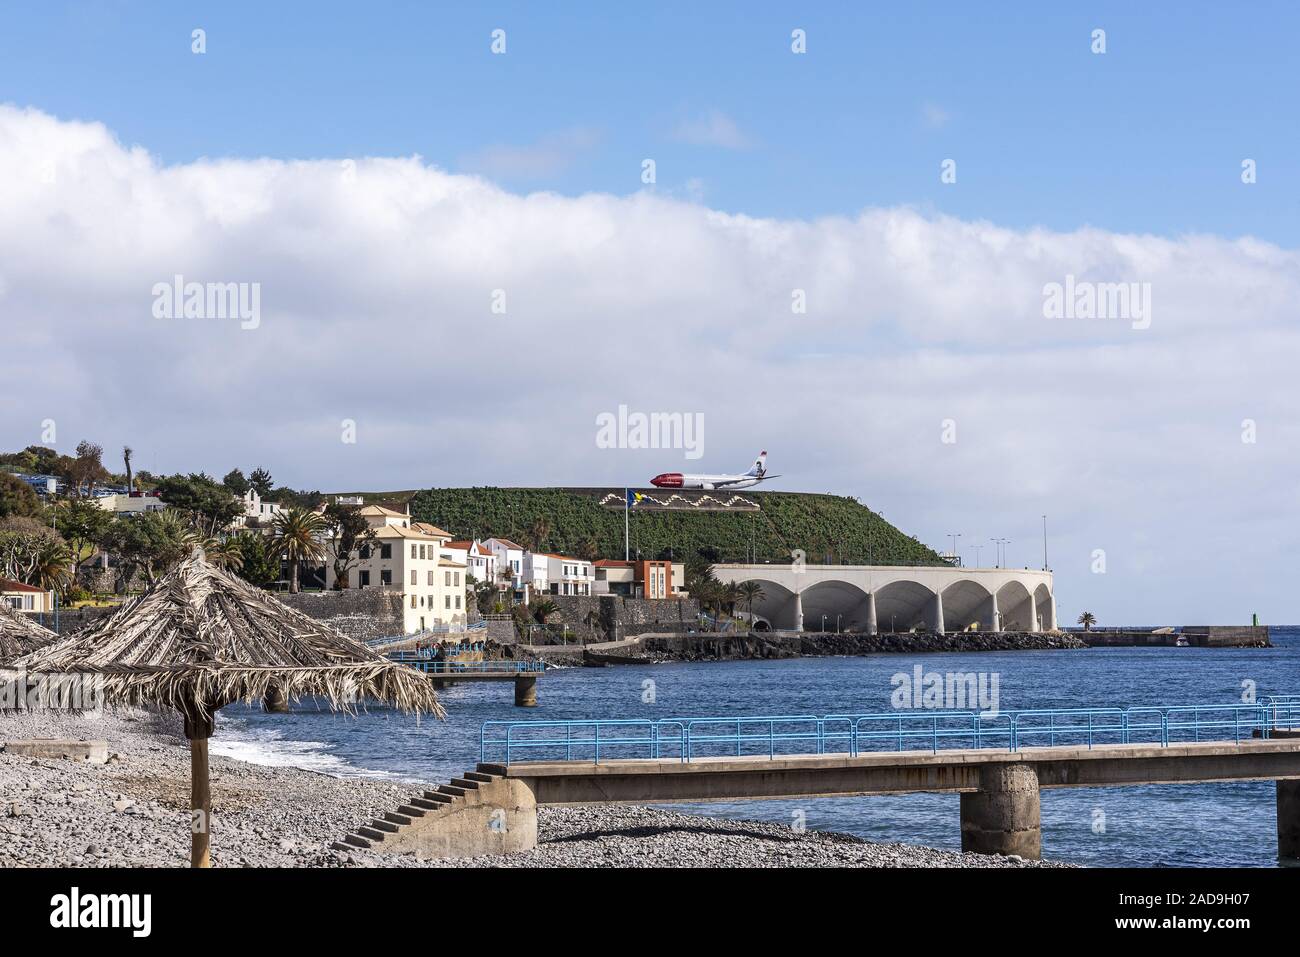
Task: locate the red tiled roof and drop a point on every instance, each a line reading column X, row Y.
column 7, row 585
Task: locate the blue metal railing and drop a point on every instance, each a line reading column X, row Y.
column 771, row 736
column 446, row 666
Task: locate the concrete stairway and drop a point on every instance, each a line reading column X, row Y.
column 477, row 813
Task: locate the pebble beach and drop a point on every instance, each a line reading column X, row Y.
column 133, row 811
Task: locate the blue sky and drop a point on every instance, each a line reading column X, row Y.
column 1148, row 137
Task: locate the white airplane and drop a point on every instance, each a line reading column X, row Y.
column 756, row 474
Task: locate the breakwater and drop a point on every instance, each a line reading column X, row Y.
column 767, row 645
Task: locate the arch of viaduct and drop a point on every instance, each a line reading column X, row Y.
column 890, row 598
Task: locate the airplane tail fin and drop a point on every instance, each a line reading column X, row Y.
column 760, row 465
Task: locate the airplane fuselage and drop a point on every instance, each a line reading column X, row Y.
column 685, row 480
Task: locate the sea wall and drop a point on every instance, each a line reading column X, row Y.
column 360, row 613
column 621, row 617
column 742, row 645
column 1196, row 636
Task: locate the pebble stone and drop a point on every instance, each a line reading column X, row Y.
column 134, row 812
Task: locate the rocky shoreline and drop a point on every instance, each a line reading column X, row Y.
column 133, row 812
column 760, row 645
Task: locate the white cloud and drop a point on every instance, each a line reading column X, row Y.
column 376, row 283
column 713, row 128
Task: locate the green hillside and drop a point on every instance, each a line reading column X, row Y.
column 823, row 526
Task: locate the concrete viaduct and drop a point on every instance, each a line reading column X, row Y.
column 897, row 598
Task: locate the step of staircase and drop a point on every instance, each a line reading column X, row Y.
column 391, row 822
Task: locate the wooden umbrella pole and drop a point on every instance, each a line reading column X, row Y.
column 201, row 803
column 198, row 728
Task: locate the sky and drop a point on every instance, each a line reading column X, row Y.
column 456, row 261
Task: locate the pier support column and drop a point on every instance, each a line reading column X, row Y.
column 798, row 612
column 1002, row 817
column 1033, row 614
column 274, row 701
column 938, row 612
column 995, row 617
column 526, row 691
column 872, row 627
column 1288, row 823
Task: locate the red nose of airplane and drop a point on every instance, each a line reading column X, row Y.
column 667, row 480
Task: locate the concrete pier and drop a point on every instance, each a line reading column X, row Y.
column 1288, row 823
column 1003, row 816
column 526, row 691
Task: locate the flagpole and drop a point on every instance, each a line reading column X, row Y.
column 626, row 550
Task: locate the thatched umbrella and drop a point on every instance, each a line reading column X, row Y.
column 19, row 634
column 201, row 638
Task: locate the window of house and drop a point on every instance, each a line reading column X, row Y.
column 448, row 598
column 446, row 578
column 457, row 579
column 412, row 601
column 365, row 579
column 412, row 549
column 385, row 577
column 431, row 578
column 386, row 551
column 365, row 551
column 414, row 580
column 458, row 602
column 421, row 551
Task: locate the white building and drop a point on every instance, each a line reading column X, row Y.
column 509, row 557
column 479, row 560
column 560, row 574
column 136, row 503
column 255, row 509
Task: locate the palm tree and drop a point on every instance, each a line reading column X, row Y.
column 543, row 609
column 731, row 595
column 227, row 554
column 295, row 535
column 1087, row 619
column 592, row 620
column 751, row 592
column 50, row 566
column 538, row 533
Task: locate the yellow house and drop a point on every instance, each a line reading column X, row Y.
column 407, row 558
column 26, row 598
